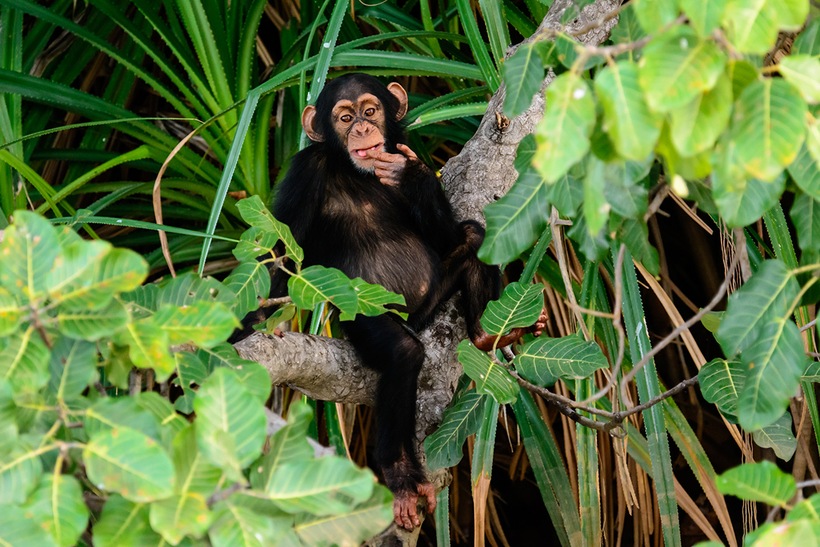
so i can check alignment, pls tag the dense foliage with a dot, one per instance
(126, 417)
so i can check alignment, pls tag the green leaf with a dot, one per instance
(235, 525)
(227, 411)
(188, 288)
(118, 271)
(775, 534)
(545, 360)
(634, 130)
(806, 509)
(805, 214)
(751, 26)
(253, 243)
(325, 486)
(121, 412)
(350, 528)
(768, 295)
(696, 126)
(791, 14)
(73, 366)
(774, 364)
(805, 170)
(29, 249)
(704, 15)
(195, 475)
(18, 530)
(803, 72)
(24, 361)
(318, 284)
(523, 74)
(490, 377)
(253, 376)
(58, 507)
(202, 323)
(564, 131)
(124, 524)
(77, 261)
(779, 437)
(147, 347)
(678, 66)
(594, 206)
(654, 14)
(761, 481)
(20, 470)
(374, 299)
(250, 282)
(768, 127)
(255, 213)
(130, 463)
(444, 448)
(628, 29)
(721, 382)
(808, 42)
(518, 218)
(520, 305)
(92, 324)
(11, 313)
(179, 516)
(289, 444)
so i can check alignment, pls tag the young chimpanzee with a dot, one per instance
(359, 200)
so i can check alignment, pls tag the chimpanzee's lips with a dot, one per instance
(362, 152)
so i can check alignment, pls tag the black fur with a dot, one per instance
(403, 237)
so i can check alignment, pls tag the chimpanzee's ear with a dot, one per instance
(398, 92)
(308, 121)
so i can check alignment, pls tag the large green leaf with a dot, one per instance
(803, 71)
(78, 260)
(235, 525)
(24, 361)
(253, 243)
(490, 377)
(768, 126)
(805, 170)
(125, 461)
(721, 382)
(805, 214)
(696, 126)
(704, 15)
(73, 366)
(188, 288)
(519, 217)
(124, 523)
(774, 364)
(654, 15)
(195, 475)
(289, 444)
(251, 374)
(92, 324)
(634, 130)
(751, 26)
(250, 282)
(520, 305)
(761, 481)
(678, 66)
(226, 411)
(58, 506)
(523, 74)
(374, 299)
(769, 294)
(563, 133)
(444, 448)
(121, 412)
(318, 284)
(20, 469)
(325, 486)
(779, 437)
(545, 360)
(349, 528)
(11, 313)
(18, 530)
(255, 213)
(118, 271)
(180, 515)
(29, 249)
(202, 323)
(147, 347)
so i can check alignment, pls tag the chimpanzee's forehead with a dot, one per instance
(352, 86)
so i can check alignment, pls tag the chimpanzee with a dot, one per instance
(358, 199)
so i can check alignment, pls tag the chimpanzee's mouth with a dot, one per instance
(362, 152)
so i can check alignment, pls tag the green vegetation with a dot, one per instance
(127, 418)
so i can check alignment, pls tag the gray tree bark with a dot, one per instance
(329, 369)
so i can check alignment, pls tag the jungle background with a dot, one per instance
(635, 165)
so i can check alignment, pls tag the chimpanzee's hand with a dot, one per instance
(390, 167)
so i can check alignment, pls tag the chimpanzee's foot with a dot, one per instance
(405, 505)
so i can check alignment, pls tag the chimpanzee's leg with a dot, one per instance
(387, 345)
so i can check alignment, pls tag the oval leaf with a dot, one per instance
(318, 284)
(545, 360)
(519, 306)
(490, 377)
(761, 481)
(721, 382)
(255, 213)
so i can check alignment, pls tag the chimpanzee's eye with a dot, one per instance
(369, 112)
(346, 118)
